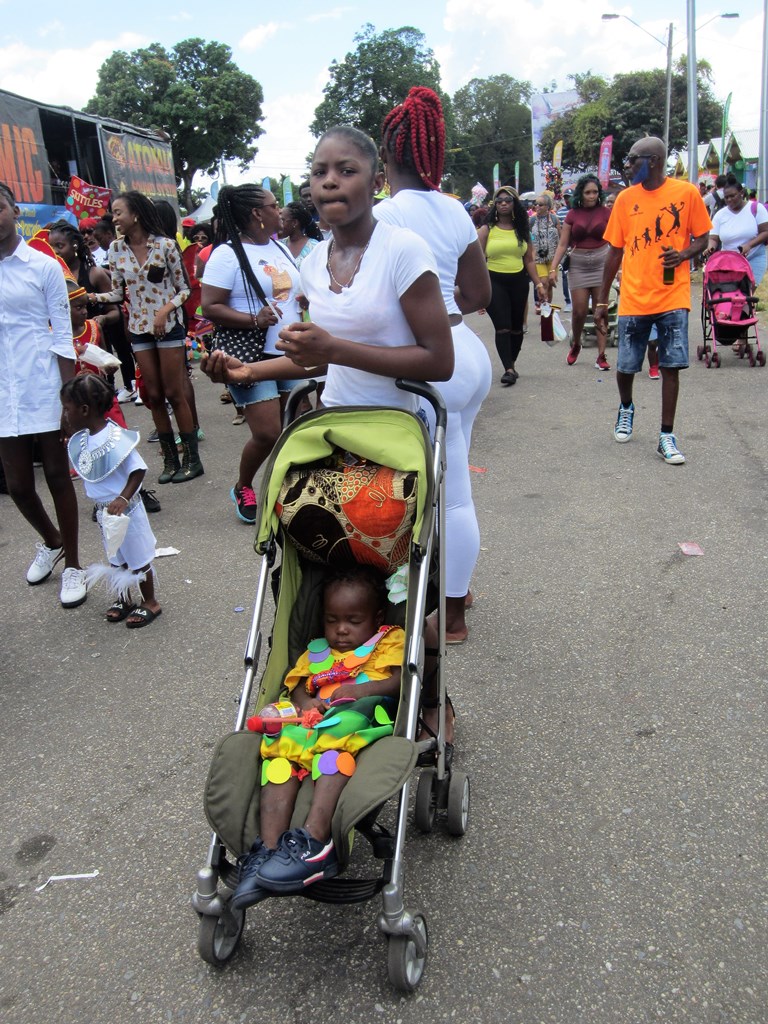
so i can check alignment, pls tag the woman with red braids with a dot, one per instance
(413, 141)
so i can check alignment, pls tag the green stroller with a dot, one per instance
(305, 461)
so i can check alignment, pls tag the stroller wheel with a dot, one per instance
(425, 804)
(457, 810)
(716, 359)
(405, 964)
(761, 357)
(699, 352)
(219, 937)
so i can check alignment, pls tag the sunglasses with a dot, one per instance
(639, 156)
(87, 231)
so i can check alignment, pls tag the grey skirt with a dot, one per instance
(586, 267)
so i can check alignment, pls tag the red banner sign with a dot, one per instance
(604, 163)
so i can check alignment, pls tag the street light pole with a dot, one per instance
(762, 164)
(668, 105)
(693, 97)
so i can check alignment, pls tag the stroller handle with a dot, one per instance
(416, 387)
(432, 395)
(303, 389)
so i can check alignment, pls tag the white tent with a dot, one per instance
(203, 213)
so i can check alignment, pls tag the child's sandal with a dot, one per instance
(118, 611)
(139, 617)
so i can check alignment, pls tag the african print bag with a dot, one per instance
(346, 510)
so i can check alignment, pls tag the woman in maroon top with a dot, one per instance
(583, 232)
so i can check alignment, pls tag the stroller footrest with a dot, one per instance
(344, 890)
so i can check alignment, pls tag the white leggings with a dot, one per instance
(463, 395)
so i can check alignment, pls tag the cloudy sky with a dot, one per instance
(54, 58)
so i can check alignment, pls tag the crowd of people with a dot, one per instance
(346, 289)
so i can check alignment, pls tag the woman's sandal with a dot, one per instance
(144, 616)
(428, 758)
(118, 611)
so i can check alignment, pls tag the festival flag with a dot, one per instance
(496, 179)
(726, 111)
(557, 154)
(604, 161)
(84, 200)
(517, 175)
(287, 191)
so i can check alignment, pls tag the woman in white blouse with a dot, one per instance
(36, 357)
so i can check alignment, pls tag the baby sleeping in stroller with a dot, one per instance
(345, 689)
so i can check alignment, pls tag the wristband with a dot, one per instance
(126, 500)
(598, 304)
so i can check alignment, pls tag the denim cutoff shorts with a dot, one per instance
(634, 332)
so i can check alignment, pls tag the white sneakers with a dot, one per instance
(73, 587)
(42, 567)
(124, 395)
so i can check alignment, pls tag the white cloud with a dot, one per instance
(333, 14)
(65, 77)
(256, 37)
(50, 28)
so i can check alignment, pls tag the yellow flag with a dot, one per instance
(557, 155)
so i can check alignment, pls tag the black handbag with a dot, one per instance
(244, 343)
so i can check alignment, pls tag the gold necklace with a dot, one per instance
(338, 284)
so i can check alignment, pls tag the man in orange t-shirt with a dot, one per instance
(657, 226)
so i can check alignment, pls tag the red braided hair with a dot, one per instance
(414, 132)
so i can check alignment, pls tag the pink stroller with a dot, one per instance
(728, 309)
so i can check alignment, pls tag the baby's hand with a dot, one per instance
(346, 692)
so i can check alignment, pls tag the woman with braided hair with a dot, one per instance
(301, 233)
(413, 141)
(252, 281)
(147, 273)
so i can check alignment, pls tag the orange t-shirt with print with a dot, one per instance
(645, 222)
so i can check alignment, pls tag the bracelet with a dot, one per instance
(601, 304)
(126, 500)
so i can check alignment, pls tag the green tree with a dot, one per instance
(629, 107)
(195, 93)
(197, 197)
(492, 123)
(374, 77)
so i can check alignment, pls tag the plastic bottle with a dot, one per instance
(668, 273)
(270, 719)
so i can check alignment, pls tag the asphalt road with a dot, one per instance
(612, 709)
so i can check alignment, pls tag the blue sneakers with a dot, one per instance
(248, 890)
(669, 451)
(298, 861)
(623, 429)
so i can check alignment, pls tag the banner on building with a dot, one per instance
(23, 159)
(557, 154)
(545, 108)
(137, 162)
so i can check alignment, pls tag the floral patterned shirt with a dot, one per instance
(146, 289)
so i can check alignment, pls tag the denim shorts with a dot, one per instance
(175, 338)
(261, 391)
(634, 332)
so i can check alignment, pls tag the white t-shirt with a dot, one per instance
(369, 312)
(276, 273)
(735, 229)
(442, 222)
